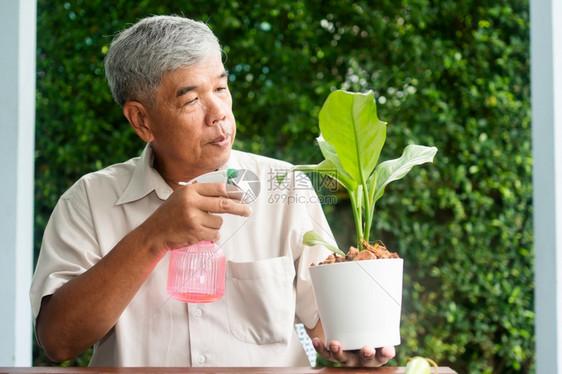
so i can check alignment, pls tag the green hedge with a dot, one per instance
(454, 74)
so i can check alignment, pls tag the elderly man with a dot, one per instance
(101, 276)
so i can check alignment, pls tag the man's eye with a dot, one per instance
(190, 102)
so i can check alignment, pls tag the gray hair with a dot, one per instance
(140, 55)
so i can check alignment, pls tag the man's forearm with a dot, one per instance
(83, 310)
(316, 332)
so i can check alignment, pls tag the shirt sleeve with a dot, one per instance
(69, 246)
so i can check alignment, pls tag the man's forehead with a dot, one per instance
(190, 78)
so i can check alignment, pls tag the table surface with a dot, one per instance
(210, 370)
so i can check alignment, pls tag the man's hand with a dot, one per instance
(190, 215)
(366, 357)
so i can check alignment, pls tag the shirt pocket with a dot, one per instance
(260, 300)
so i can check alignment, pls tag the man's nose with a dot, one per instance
(216, 112)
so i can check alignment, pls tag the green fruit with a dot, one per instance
(418, 365)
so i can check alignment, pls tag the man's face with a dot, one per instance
(192, 123)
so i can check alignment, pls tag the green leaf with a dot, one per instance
(328, 168)
(312, 238)
(392, 170)
(329, 153)
(349, 122)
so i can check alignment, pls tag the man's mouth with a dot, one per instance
(221, 141)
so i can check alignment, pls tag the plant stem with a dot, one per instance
(362, 191)
(372, 183)
(368, 213)
(357, 214)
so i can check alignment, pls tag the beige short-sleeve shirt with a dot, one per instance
(267, 290)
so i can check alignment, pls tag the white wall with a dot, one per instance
(17, 128)
(546, 93)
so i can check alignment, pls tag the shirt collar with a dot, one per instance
(146, 179)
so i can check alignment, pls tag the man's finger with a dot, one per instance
(234, 192)
(368, 357)
(220, 189)
(386, 353)
(226, 205)
(216, 199)
(346, 358)
(321, 349)
(211, 189)
(211, 221)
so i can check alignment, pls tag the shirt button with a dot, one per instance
(200, 359)
(197, 313)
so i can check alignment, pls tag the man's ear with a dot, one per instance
(137, 116)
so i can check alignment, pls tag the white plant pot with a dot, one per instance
(360, 302)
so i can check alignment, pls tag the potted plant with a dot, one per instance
(359, 301)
